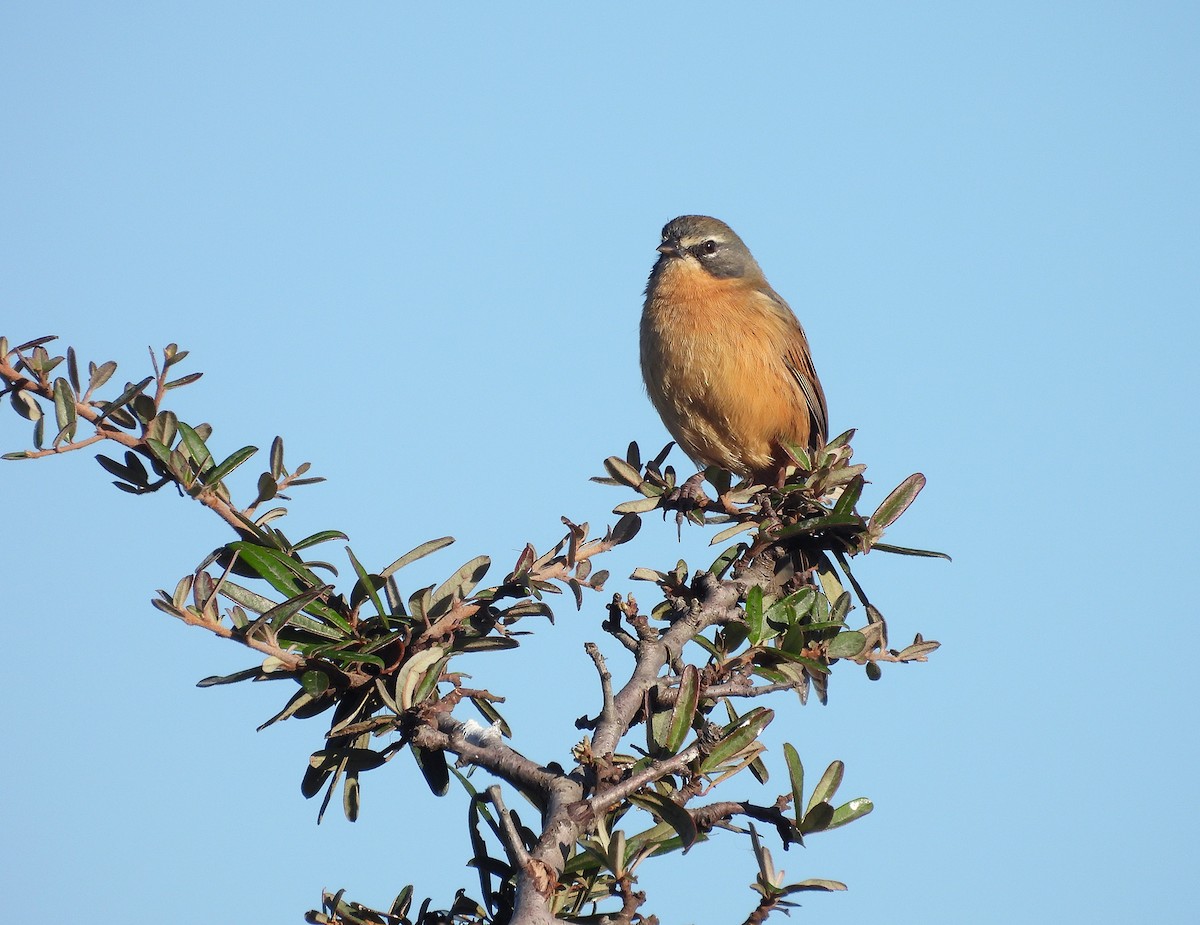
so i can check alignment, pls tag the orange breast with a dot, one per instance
(714, 360)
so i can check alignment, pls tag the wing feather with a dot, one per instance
(798, 358)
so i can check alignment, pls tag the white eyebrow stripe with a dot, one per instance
(693, 240)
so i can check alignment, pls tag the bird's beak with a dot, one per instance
(670, 247)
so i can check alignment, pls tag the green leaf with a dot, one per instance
(721, 564)
(849, 496)
(817, 819)
(487, 644)
(25, 405)
(434, 769)
(100, 374)
(625, 529)
(194, 446)
(755, 625)
(685, 710)
(370, 586)
(828, 784)
(411, 679)
(738, 734)
(287, 576)
(281, 614)
(216, 474)
(244, 675)
(849, 644)
(668, 811)
(123, 399)
(267, 488)
(638, 505)
(277, 471)
(323, 536)
(841, 607)
(64, 409)
(164, 428)
(419, 552)
(796, 776)
(315, 682)
(732, 531)
(461, 583)
(896, 503)
(620, 470)
(182, 380)
(906, 551)
(848, 812)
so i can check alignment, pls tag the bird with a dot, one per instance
(725, 360)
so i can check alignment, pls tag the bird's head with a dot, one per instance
(708, 244)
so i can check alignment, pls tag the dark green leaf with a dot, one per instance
(625, 529)
(905, 551)
(194, 446)
(755, 625)
(369, 586)
(668, 811)
(72, 369)
(281, 614)
(729, 556)
(182, 380)
(817, 819)
(796, 777)
(287, 576)
(244, 675)
(685, 709)
(217, 473)
(109, 408)
(434, 769)
(322, 537)
(738, 735)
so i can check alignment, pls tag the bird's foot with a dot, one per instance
(687, 498)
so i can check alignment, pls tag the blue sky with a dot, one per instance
(413, 242)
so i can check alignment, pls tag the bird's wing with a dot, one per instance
(799, 362)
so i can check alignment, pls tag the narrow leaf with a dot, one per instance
(685, 709)
(217, 473)
(897, 502)
(419, 552)
(796, 776)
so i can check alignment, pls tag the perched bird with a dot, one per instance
(725, 361)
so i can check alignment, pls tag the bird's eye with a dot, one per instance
(708, 247)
